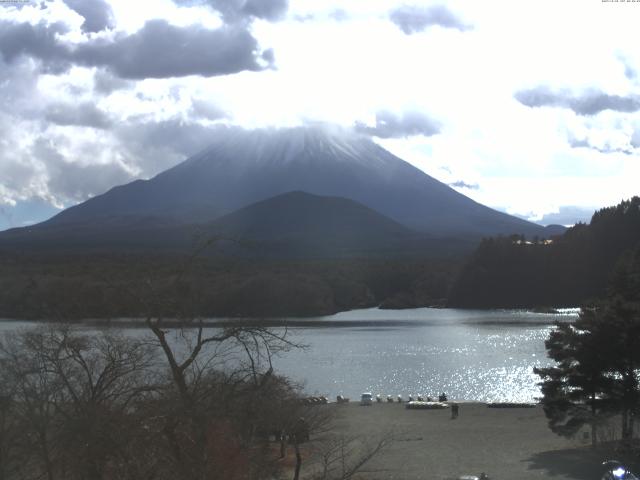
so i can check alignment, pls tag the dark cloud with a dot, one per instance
(462, 184)
(39, 41)
(266, 9)
(269, 57)
(107, 83)
(161, 50)
(97, 14)
(589, 103)
(244, 10)
(412, 19)
(390, 125)
(84, 114)
(158, 50)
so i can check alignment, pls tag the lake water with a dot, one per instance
(468, 354)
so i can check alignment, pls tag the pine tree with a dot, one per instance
(597, 371)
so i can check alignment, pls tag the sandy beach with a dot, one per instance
(510, 443)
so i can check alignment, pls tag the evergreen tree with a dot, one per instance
(575, 389)
(597, 369)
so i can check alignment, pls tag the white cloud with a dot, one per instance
(347, 70)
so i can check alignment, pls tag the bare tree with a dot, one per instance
(340, 457)
(72, 395)
(220, 379)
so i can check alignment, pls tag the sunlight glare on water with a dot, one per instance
(470, 355)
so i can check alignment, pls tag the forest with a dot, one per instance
(503, 272)
(73, 287)
(515, 272)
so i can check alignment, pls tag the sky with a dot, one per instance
(531, 107)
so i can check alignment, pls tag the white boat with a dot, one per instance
(426, 405)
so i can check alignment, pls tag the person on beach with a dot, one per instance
(454, 411)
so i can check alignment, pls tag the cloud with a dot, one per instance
(390, 125)
(589, 103)
(161, 50)
(153, 146)
(339, 15)
(265, 9)
(462, 184)
(66, 165)
(206, 110)
(107, 83)
(66, 169)
(19, 176)
(84, 114)
(607, 148)
(74, 181)
(244, 10)
(38, 41)
(97, 14)
(565, 215)
(412, 19)
(604, 140)
(568, 216)
(635, 138)
(157, 50)
(629, 70)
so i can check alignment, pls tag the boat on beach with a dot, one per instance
(416, 405)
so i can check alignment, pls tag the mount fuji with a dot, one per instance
(243, 167)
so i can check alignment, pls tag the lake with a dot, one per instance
(468, 354)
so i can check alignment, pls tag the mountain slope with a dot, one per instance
(299, 224)
(291, 225)
(243, 167)
(300, 214)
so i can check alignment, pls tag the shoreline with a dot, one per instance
(329, 320)
(504, 443)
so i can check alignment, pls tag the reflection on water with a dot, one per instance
(470, 355)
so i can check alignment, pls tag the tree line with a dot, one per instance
(88, 286)
(514, 272)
